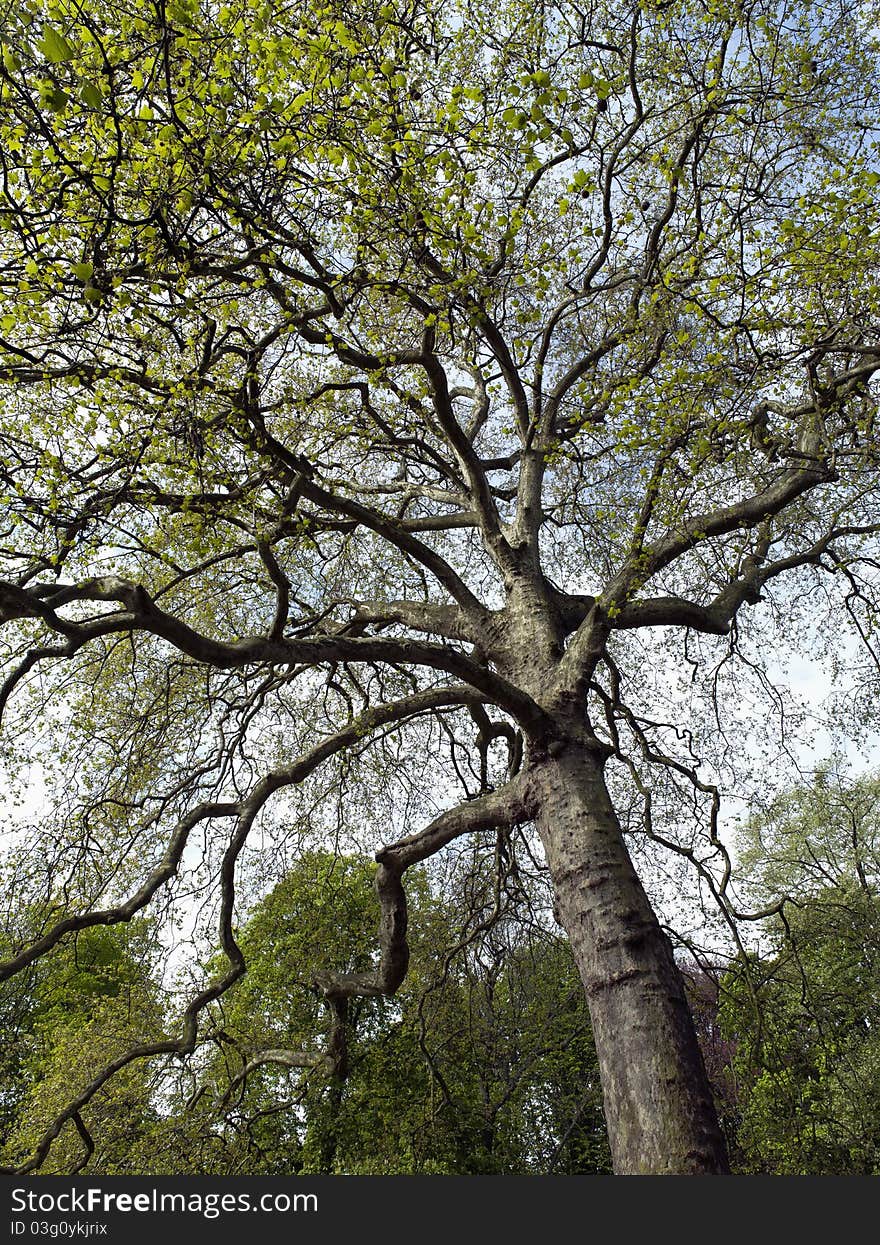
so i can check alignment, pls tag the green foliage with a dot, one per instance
(326, 326)
(482, 1063)
(805, 1016)
(61, 1023)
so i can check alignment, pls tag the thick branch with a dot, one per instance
(588, 644)
(143, 614)
(506, 806)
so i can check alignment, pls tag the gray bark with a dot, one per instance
(658, 1103)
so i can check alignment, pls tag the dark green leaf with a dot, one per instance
(91, 95)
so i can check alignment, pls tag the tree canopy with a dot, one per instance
(483, 1063)
(412, 415)
(60, 1024)
(804, 1011)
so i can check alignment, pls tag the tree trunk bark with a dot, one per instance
(658, 1105)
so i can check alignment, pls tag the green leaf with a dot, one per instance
(82, 271)
(58, 100)
(55, 47)
(91, 95)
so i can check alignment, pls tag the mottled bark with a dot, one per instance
(658, 1104)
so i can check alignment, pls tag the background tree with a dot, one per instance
(69, 1016)
(379, 379)
(805, 1013)
(483, 1063)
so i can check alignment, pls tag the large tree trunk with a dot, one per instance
(658, 1104)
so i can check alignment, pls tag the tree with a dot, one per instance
(378, 379)
(484, 1062)
(77, 1009)
(805, 1012)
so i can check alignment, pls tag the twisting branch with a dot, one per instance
(505, 807)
